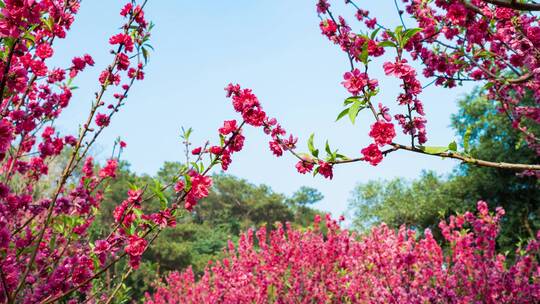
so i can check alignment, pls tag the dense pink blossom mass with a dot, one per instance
(47, 255)
(44, 248)
(385, 266)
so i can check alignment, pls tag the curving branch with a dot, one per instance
(517, 5)
(472, 7)
(471, 160)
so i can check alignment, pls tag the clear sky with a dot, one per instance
(275, 48)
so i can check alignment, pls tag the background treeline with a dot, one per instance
(421, 203)
(233, 206)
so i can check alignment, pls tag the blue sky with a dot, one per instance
(275, 48)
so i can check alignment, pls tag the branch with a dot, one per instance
(471, 160)
(75, 288)
(124, 277)
(472, 7)
(463, 158)
(68, 170)
(7, 67)
(521, 6)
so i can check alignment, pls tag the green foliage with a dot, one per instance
(233, 206)
(398, 202)
(423, 202)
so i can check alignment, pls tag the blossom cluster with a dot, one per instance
(493, 43)
(384, 266)
(248, 105)
(45, 254)
(483, 41)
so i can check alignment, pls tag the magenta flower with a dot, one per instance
(382, 132)
(355, 81)
(372, 154)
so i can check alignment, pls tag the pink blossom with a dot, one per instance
(229, 126)
(382, 132)
(275, 147)
(200, 187)
(304, 167)
(372, 154)
(135, 248)
(109, 171)
(322, 6)
(126, 9)
(385, 265)
(325, 169)
(44, 51)
(355, 81)
(124, 40)
(179, 186)
(328, 28)
(102, 120)
(6, 135)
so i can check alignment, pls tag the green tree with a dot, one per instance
(232, 206)
(422, 202)
(301, 202)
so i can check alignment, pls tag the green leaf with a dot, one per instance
(49, 23)
(452, 146)
(483, 54)
(353, 112)
(399, 30)
(156, 189)
(351, 99)
(138, 212)
(387, 43)
(364, 55)
(145, 54)
(69, 82)
(488, 85)
(466, 139)
(391, 34)
(30, 38)
(327, 148)
(519, 144)
(310, 143)
(132, 229)
(409, 34)
(195, 166)
(374, 33)
(342, 114)
(187, 179)
(221, 140)
(341, 156)
(434, 149)
(355, 109)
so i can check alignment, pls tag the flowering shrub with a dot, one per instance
(45, 251)
(492, 43)
(46, 254)
(385, 266)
